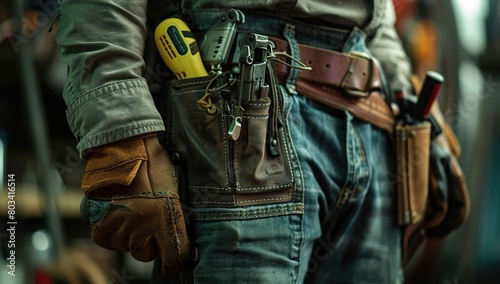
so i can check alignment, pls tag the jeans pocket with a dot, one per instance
(225, 171)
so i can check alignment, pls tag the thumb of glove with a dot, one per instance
(93, 210)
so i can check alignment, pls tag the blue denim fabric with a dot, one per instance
(328, 38)
(340, 228)
(346, 166)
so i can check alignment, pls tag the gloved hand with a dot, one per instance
(132, 203)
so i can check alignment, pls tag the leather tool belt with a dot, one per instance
(343, 81)
(201, 113)
(433, 198)
(355, 72)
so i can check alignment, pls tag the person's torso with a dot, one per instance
(347, 13)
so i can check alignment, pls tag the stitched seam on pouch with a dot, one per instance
(242, 189)
(184, 84)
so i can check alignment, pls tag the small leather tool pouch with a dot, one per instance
(432, 191)
(413, 145)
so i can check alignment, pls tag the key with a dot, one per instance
(235, 128)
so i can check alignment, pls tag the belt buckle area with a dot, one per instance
(358, 93)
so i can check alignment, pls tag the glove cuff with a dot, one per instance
(134, 167)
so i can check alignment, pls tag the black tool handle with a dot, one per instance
(428, 94)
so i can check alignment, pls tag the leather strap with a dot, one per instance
(372, 108)
(356, 73)
(343, 81)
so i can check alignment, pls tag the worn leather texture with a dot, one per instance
(373, 108)
(412, 162)
(221, 172)
(349, 71)
(412, 146)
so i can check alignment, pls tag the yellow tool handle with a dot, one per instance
(179, 50)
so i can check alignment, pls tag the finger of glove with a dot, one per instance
(110, 236)
(143, 247)
(95, 211)
(172, 239)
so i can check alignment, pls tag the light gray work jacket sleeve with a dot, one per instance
(386, 46)
(102, 42)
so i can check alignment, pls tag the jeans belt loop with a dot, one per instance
(289, 35)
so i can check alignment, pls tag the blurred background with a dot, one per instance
(460, 39)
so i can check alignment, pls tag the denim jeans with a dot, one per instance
(341, 226)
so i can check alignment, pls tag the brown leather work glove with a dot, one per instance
(131, 201)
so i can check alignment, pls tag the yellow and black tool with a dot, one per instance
(178, 48)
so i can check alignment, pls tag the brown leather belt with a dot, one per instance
(372, 108)
(343, 81)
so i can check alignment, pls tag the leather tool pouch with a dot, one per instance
(229, 159)
(412, 145)
(432, 192)
(412, 148)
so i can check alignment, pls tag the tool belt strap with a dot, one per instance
(354, 72)
(372, 108)
(343, 81)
